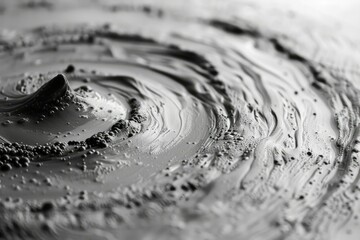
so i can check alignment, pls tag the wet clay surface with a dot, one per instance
(182, 120)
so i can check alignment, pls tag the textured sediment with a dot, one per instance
(196, 125)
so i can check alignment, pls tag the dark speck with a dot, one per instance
(70, 69)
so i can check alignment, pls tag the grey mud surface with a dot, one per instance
(179, 120)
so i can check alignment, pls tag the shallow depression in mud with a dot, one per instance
(119, 92)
